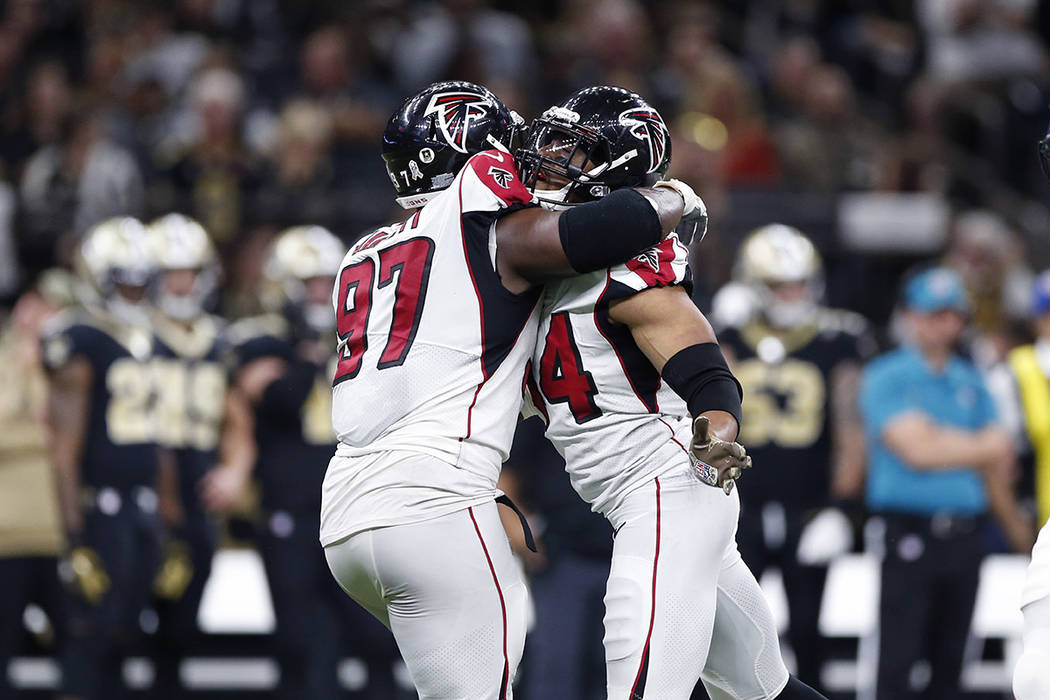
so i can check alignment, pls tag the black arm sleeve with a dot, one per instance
(610, 231)
(700, 375)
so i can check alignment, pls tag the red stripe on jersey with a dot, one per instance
(655, 408)
(496, 171)
(505, 683)
(673, 438)
(638, 689)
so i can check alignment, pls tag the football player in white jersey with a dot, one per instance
(436, 320)
(1031, 677)
(624, 359)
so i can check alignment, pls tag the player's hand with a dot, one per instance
(85, 574)
(176, 571)
(221, 487)
(694, 210)
(716, 462)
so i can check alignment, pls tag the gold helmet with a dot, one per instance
(178, 242)
(113, 256)
(298, 254)
(776, 255)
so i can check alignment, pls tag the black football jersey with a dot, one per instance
(119, 448)
(786, 424)
(189, 367)
(293, 422)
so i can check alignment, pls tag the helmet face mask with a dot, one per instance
(302, 259)
(181, 247)
(600, 139)
(783, 268)
(116, 268)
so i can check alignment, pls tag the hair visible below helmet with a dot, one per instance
(777, 254)
(299, 254)
(178, 242)
(115, 253)
(623, 139)
(431, 136)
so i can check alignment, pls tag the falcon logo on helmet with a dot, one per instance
(454, 113)
(647, 125)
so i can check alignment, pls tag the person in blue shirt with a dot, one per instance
(937, 461)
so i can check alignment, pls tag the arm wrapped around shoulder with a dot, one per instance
(700, 375)
(610, 231)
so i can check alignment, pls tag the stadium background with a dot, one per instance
(894, 132)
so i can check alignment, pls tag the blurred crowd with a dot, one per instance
(894, 134)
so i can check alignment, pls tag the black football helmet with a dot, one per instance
(624, 139)
(433, 134)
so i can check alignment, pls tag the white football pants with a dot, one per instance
(452, 594)
(681, 605)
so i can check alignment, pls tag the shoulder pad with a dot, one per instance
(496, 172)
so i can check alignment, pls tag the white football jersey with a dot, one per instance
(607, 410)
(432, 355)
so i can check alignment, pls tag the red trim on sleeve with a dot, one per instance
(496, 171)
(654, 265)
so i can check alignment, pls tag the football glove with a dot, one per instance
(716, 462)
(85, 574)
(693, 226)
(175, 573)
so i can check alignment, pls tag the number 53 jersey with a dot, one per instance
(606, 409)
(432, 353)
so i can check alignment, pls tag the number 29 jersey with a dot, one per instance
(432, 353)
(607, 411)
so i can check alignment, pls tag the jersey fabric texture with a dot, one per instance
(432, 351)
(786, 422)
(588, 377)
(119, 449)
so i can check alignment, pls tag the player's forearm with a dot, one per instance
(68, 410)
(535, 245)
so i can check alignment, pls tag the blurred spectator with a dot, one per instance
(30, 531)
(831, 147)
(971, 40)
(1021, 386)
(721, 102)
(937, 462)
(299, 185)
(41, 118)
(358, 105)
(70, 185)
(986, 254)
(208, 172)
